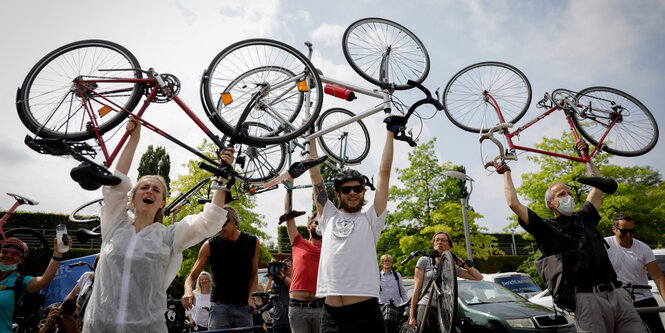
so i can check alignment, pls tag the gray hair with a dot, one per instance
(232, 214)
(549, 195)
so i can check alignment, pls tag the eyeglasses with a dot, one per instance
(355, 188)
(315, 223)
(625, 231)
(12, 252)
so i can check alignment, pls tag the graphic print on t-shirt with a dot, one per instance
(344, 227)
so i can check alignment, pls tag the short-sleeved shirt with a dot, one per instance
(7, 299)
(306, 257)
(630, 264)
(348, 264)
(586, 260)
(392, 288)
(425, 263)
(280, 311)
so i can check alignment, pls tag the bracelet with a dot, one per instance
(56, 258)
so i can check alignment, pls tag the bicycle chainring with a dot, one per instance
(173, 86)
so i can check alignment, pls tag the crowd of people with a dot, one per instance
(333, 282)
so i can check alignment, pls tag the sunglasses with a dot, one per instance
(355, 188)
(625, 231)
(12, 252)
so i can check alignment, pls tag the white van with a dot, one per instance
(520, 283)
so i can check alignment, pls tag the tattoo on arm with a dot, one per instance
(321, 194)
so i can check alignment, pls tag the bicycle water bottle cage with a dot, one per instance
(92, 177)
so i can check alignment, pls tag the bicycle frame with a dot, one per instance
(155, 84)
(503, 128)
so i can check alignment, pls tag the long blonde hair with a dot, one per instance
(159, 216)
(198, 281)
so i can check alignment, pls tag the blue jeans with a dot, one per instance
(227, 316)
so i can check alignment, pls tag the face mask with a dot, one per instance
(8, 268)
(566, 205)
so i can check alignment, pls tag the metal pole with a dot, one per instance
(513, 247)
(467, 233)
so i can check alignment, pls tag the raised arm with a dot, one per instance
(40, 282)
(595, 196)
(125, 159)
(219, 196)
(383, 181)
(291, 228)
(511, 198)
(188, 297)
(318, 185)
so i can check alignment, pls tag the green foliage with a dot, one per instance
(283, 243)
(156, 162)
(39, 220)
(528, 267)
(428, 201)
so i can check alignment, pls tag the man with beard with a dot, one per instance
(348, 272)
(304, 307)
(234, 261)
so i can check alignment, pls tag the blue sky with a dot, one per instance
(557, 44)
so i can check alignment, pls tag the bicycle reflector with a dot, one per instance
(226, 98)
(104, 110)
(302, 85)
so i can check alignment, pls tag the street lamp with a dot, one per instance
(465, 202)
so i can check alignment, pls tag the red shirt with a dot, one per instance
(305, 264)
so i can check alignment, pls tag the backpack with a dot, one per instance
(26, 311)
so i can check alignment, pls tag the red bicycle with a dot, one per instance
(489, 97)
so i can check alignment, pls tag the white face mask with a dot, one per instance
(8, 268)
(566, 205)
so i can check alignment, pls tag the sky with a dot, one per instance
(556, 44)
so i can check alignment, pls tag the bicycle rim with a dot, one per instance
(39, 253)
(273, 81)
(258, 164)
(467, 106)
(635, 131)
(52, 104)
(348, 144)
(447, 299)
(367, 42)
(88, 212)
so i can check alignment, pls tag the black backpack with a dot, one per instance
(26, 311)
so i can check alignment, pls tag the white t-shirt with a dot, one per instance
(348, 265)
(84, 283)
(630, 264)
(201, 310)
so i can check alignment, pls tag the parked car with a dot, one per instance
(484, 306)
(660, 259)
(519, 283)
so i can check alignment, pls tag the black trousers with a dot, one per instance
(363, 317)
(651, 319)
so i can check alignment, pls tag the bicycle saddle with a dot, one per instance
(607, 185)
(92, 177)
(290, 215)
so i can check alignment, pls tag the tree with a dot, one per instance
(245, 204)
(156, 162)
(428, 202)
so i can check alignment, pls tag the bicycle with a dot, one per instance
(442, 289)
(254, 89)
(490, 97)
(631, 288)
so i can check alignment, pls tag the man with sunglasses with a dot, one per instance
(234, 261)
(632, 259)
(600, 304)
(348, 271)
(13, 253)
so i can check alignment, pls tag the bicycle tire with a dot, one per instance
(39, 252)
(260, 75)
(355, 133)
(88, 212)
(466, 105)
(185, 196)
(405, 328)
(634, 134)
(50, 104)
(447, 301)
(261, 164)
(365, 41)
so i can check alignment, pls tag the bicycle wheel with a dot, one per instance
(39, 253)
(467, 105)
(53, 103)
(635, 131)
(258, 164)
(88, 212)
(262, 81)
(371, 44)
(446, 306)
(348, 144)
(405, 328)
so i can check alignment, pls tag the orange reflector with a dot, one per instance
(226, 98)
(302, 85)
(104, 110)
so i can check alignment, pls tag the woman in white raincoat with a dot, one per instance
(140, 256)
